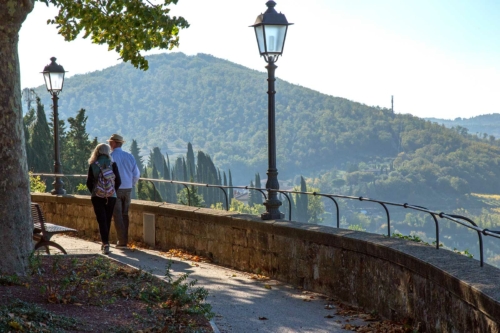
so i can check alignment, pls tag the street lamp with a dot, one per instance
(53, 75)
(270, 31)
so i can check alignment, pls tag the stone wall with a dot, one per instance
(438, 289)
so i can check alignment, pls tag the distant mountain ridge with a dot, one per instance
(488, 124)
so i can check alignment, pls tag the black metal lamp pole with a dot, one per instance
(54, 80)
(270, 31)
(58, 183)
(272, 203)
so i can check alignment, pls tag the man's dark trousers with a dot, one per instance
(120, 215)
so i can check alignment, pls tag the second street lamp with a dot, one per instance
(53, 75)
(270, 31)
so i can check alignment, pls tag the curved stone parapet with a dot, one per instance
(438, 290)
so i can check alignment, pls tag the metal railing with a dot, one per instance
(458, 219)
(462, 220)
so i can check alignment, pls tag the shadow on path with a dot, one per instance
(241, 304)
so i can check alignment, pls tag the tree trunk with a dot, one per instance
(16, 226)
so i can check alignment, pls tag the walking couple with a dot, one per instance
(111, 176)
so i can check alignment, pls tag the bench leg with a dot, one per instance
(47, 244)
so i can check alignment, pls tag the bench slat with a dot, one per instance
(43, 231)
(55, 229)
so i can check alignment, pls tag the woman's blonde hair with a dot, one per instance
(100, 149)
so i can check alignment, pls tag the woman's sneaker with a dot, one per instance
(105, 249)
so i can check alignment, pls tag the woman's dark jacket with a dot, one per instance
(94, 171)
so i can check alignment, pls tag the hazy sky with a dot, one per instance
(438, 58)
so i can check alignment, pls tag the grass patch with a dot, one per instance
(96, 294)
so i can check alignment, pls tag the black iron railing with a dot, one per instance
(458, 219)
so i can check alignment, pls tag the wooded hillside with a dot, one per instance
(221, 108)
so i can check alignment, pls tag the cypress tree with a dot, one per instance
(78, 144)
(212, 179)
(156, 175)
(168, 188)
(178, 174)
(207, 174)
(157, 160)
(184, 170)
(251, 195)
(166, 169)
(201, 173)
(41, 141)
(258, 196)
(136, 152)
(302, 203)
(179, 169)
(77, 149)
(150, 160)
(190, 161)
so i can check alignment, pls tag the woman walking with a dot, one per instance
(103, 180)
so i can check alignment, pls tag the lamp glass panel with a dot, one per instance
(259, 33)
(57, 80)
(275, 38)
(46, 77)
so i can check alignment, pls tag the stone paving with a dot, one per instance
(241, 302)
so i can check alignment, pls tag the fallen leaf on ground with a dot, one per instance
(183, 255)
(349, 327)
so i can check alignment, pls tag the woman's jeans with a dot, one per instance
(103, 209)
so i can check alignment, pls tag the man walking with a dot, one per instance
(129, 173)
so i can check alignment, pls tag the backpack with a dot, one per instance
(105, 185)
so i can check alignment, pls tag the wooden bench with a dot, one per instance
(43, 231)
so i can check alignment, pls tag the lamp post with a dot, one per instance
(53, 75)
(270, 31)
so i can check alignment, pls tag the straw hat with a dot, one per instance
(116, 138)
